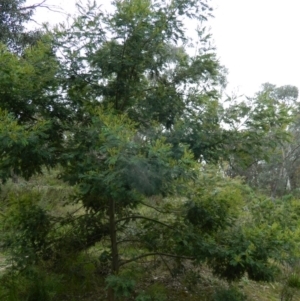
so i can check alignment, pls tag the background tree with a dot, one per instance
(269, 122)
(14, 15)
(32, 112)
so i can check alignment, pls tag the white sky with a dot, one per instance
(257, 40)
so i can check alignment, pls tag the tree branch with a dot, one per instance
(143, 217)
(52, 8)
(127, 240)
(147, 243)
(154, 254)
(34, 6)
(156, 209)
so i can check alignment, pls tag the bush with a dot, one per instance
(229, 294)
(123, 287)
(31, 284)
(25, 229)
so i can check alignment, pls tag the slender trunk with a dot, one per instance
(14, 177)
(283, 177)
(114, 246)
(285, 173)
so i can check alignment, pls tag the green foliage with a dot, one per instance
(268, 120)
(25, 229)
(260, 120)
(26, 81)
(154, 292)
(290, 279)
(123, 287)
(215, 201)
(31, 130)
(293, 281)
(32, 284)
(245, 254)
(139, 66)
(125, 114)
(230, 294)
(13, 16)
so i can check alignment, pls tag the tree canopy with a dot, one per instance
(13, 18)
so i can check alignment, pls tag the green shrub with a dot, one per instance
(229, 294)
(31, 284)
(25, 229)
(293, 281)
(122, 286)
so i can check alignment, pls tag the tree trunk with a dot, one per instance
(114, 246)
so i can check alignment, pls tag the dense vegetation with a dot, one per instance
(127, 175)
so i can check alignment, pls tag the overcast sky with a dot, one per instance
(257, 40)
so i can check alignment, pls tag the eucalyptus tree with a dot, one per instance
(268, 121)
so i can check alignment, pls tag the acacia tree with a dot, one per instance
(159, 111)
(133, 62)
(122, 89)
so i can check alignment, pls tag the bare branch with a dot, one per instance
(34, 6)
(42, 4)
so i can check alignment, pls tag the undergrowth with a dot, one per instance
(55, 264)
